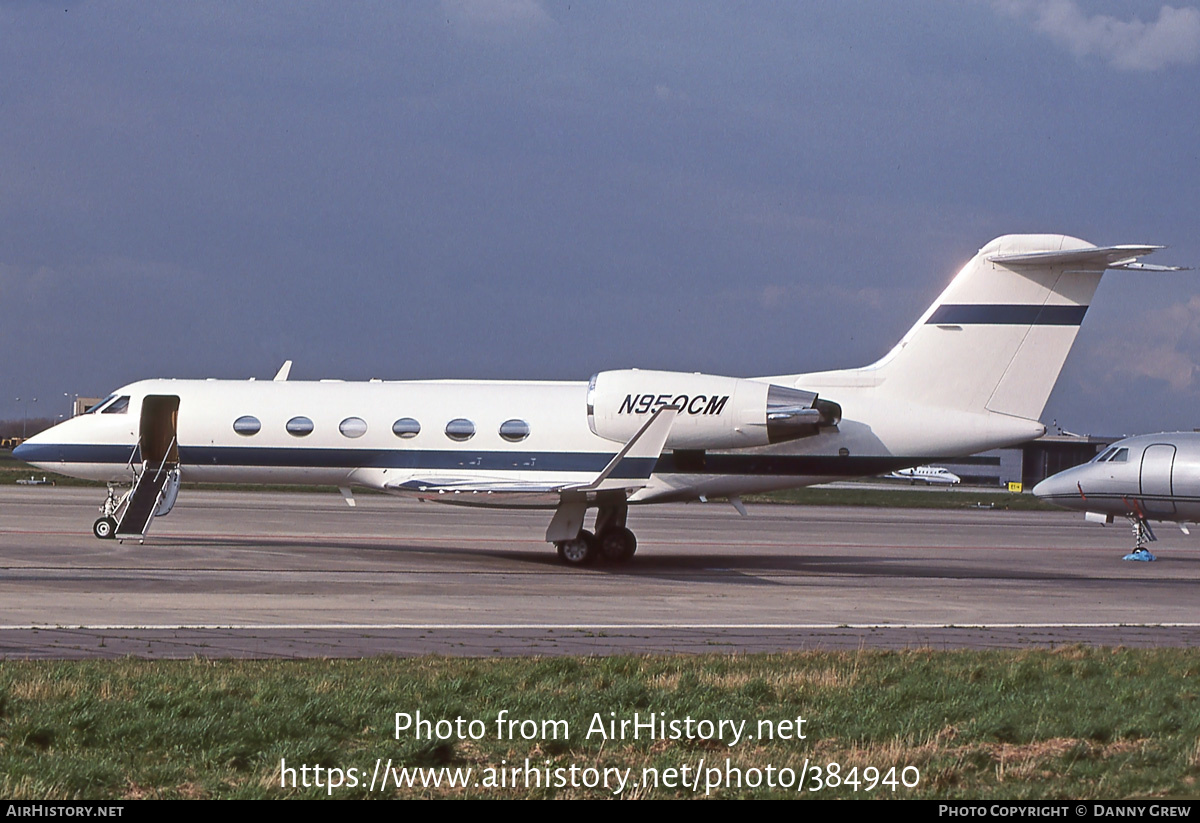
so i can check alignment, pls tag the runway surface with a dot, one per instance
(297, 575)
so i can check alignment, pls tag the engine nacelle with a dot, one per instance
(714, 412)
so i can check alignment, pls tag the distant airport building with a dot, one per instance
(1030, 463)
(1052, 453)
(82, 404)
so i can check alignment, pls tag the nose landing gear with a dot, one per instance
(1142, 534)
(105, 528)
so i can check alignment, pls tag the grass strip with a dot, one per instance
(1072, 722)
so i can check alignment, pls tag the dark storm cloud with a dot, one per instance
(522, 189)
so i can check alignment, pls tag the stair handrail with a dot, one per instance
(166, 454)
(129, 462)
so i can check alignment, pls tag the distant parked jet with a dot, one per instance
(929, 475)
(1143, 478)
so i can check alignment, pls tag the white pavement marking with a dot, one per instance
(584, 626)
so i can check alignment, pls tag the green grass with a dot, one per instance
(1069, 723)
(12, 470)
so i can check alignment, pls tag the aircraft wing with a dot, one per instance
(476, 491)
(636, 459)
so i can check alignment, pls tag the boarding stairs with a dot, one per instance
(147, 496)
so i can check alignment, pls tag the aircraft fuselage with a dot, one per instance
(377, 434)
(1152, 475)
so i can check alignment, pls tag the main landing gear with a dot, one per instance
(612, 542)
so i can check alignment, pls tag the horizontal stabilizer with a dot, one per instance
(1094, 257)
(996, 339)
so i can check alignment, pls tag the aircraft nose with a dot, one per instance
(1056, 485)
(23, 451)
(32, 446)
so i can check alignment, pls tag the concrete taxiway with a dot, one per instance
(231, 574)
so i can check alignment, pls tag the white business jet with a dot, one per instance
(929, 475)
(974, 373)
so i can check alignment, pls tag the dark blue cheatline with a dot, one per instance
(592, 462)
(961, 314)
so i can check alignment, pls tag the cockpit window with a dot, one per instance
(1120, 457)
(118, 406)
(96, 408)
(1104, 455)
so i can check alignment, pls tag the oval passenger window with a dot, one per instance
(299, 426)
(514, 431)
(247, 425)
(406, 427)
(460, 429)
(353, 427)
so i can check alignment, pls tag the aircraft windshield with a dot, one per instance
(118, 406)
(96, 408)
(1104, 455)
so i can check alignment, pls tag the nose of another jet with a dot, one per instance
(1060, 486)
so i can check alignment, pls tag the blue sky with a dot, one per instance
(544, 190)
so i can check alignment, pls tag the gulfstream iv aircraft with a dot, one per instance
(974, 373)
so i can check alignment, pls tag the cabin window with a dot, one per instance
(247, 425)
(353, 427)
(118, 406)
(460, 429)
(406, 427)
(299, 427)
(514, 431)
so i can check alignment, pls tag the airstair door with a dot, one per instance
(159, 447)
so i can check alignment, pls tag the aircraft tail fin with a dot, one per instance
(997, 337)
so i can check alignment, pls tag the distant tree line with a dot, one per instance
(31, 426)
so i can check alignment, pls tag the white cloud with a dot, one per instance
(1172, 39)
(1162, 344)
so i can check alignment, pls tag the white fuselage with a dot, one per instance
(1153, 476)
(560, 446)
(930, 475)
